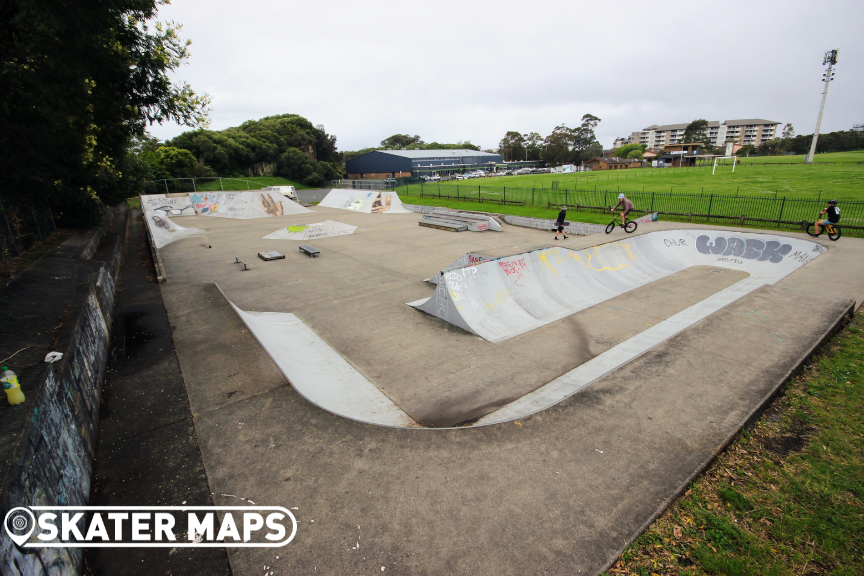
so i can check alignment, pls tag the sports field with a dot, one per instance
(791, 193)
(843, 180)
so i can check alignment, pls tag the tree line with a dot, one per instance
(287, 145)
(564, 145)
(80, 82)
(832, 142)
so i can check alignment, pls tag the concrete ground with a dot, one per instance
(560, 492)
(147, 453)
(312, 195)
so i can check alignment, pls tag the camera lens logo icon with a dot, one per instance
(19, 524)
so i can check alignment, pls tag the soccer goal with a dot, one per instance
(734, 160)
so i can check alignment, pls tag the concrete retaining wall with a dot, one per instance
(580, 228)
(49, 440)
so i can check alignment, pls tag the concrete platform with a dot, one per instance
(562, 491)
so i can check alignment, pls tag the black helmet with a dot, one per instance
(832, 201)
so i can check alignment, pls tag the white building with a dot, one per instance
(753, 131)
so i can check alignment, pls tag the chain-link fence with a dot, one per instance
(20, 229)
(717, 208)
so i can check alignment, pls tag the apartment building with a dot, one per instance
(753, 131)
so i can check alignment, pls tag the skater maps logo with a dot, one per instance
(150, 526)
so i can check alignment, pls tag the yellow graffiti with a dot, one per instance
(605, 258)
(545, 260)
(500, 298)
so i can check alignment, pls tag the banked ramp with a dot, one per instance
(366, 201)
(241, 205)
(503, 298)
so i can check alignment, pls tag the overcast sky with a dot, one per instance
(472, 70)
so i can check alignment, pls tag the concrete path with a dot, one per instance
(147, 453)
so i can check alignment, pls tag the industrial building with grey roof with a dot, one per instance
(403, 163)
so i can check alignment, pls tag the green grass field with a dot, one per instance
(844, 180)
(852, 157)
(782, 192)
(786, 497)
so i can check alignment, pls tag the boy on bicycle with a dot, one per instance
(833, 216)
(626, 206)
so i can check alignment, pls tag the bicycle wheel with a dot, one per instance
(836, 234)
(810, 230)
(610, 227)
(630, 226)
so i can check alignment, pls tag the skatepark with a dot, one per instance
(532, 411)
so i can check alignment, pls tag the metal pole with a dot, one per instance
(166, 186)
(220, 184)
(831, 60)
(194, 189)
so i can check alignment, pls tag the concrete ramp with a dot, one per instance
(244, 205)
(367, 201)
(318, 372)
(164, 231)
(469, 259)
(167, 206)
(503, 298)
(311, 231)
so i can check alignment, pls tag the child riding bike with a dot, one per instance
(832, 211)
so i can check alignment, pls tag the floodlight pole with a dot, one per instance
(831, 61)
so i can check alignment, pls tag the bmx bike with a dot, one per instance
(629, 227)
(833, 231)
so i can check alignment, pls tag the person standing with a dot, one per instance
(559, 224)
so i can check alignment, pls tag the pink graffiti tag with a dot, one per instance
(473, 259)
(514, 268)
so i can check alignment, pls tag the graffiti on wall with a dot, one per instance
(748, 249)
(514, 269)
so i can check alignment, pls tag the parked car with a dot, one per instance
(287, 191)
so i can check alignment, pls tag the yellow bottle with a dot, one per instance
(10, 385)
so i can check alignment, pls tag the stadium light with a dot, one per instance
(829, 60)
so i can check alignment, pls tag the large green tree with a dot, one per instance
(584, 136)
(512, 146)
(401, 141)
(261, 148)
(697, 132)
(78, 81)
(558, 146)
(534, 146)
